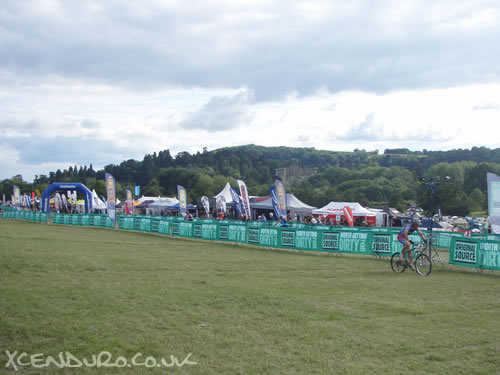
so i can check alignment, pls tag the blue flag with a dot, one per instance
(274, 199)
(237, 201)
(137, 190)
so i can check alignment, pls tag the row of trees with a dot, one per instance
(373, 179)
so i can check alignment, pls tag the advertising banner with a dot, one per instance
(111, 195)
(182, 197)
(493, 182)
(16, 193)
(237, 202)
(348, 215)
(281, 199)
(245, 199)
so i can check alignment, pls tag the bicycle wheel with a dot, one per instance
(423, 264)
(395, 265)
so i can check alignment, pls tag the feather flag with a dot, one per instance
(111, 195)
(16, 192)
(182, 197)
(245, 199)
(237, 201)
(220, 203)
(206, 204)
(274, 200)
(281, 199)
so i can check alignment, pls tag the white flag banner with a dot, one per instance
(245, 198)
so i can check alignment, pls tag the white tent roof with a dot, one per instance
(337, 208)
(226, 193)
(143, 198)
(97, 203)
(293, 204)
(164, 202)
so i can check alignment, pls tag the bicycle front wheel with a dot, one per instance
(423, 264)
(396, 265)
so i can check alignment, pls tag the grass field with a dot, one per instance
(237, 309)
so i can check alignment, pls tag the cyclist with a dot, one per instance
(403, 238)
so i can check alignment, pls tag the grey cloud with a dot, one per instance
(89, 124)
(68, 149)
(367, 130)
(274, 51)
(15, 124)
(371, 131)
(220, 113)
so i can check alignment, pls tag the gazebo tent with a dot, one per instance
(294, 205)
(98, 204)
(226, 193)
(335, 210)
(164, 203)
(161, 205)
(396, 218)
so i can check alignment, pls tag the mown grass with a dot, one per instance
(238, 309)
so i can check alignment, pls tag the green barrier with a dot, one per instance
(128, 222)
(493, 237)
(145, 224)
(164, 226)
(475, 253)
(76, 220)
(206, 231)
(86, 220)
(233, 231)
(478, 252)
(97, 220)
(185, 229)
(297, 238)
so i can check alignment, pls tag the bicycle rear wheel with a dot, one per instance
(395, 265)
(423, 264)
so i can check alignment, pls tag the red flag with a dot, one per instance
(348, 215)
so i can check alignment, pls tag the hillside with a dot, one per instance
(315, 176)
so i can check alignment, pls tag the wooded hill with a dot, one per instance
(371, 178)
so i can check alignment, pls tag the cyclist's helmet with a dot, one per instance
(415, 222)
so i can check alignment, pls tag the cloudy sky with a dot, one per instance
(100, 82)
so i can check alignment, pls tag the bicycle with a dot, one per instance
(418, 258)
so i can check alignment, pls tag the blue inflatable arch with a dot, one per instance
(65, 186)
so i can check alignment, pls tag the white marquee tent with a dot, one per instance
(293, 204)
(226, 193)
(336, 209)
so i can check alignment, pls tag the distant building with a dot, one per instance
(294, 171)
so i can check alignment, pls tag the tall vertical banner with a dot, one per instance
(129, 203)
(137, 190)
(111, 195)
(16, 192)
(3, 196)
(245, 198)
(237, 201)
(206, 204)
(348, 215)
(220, 203)
(281, 196)
(493, 181)
(182, 197)
(274, 200)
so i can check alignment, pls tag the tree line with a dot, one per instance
(371, 178)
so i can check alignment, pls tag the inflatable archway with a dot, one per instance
(66, 186)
